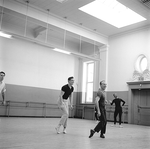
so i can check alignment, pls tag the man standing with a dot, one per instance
(118, 109)
(64, 98)
(100, 104)
(2, 87)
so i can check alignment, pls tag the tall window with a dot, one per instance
(88, 81)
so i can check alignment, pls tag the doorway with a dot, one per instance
(141, 106)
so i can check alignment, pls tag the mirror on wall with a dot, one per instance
(141, 69)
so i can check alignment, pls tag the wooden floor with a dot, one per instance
(39, 133)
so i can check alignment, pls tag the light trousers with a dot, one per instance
(65, 113)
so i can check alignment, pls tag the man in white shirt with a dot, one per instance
(2, 87)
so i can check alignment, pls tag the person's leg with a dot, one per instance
(61, 107)
(120, 116)
(104, 123)
(64, 117)
(96, 129)
(115, 116)
(100, 125)
(65, 122)
(103, 130)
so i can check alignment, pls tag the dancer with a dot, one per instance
(118, 109)
(65, 95)
(101, 126)
(2, 87)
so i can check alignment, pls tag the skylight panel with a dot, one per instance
(112, 12)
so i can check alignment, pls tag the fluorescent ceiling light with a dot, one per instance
(62, 51)
(61, 1)
(112, 12)
(5, 35)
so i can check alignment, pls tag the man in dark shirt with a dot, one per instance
(64, 99)
(118, 109)
(100, 105)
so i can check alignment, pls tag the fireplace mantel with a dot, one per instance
(139, 84)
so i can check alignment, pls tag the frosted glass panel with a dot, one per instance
(55, 36)
(36, 29)
(13, 22)
(72, 42)
(89, 97)
(90, 72)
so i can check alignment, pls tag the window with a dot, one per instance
(88, 82)
(141, 72)
(141, 63)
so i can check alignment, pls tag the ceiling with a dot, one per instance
(69, 10)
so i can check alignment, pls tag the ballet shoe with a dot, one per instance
(57, 130)
(91, 133)
(102, 136)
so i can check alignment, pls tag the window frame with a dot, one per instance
(86, 101)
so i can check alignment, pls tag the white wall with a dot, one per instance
(29, 64)
(123, 51)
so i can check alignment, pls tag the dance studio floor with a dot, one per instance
(39, 133)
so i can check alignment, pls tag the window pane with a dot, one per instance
(90, 72)
(55, 36)
(87, 86)
(89, 97)
(13, 22)
(72, 42)
(87, 46)
(143, 64)
(36, 29)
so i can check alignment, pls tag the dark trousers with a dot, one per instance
(101, 126)
(118, 111)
